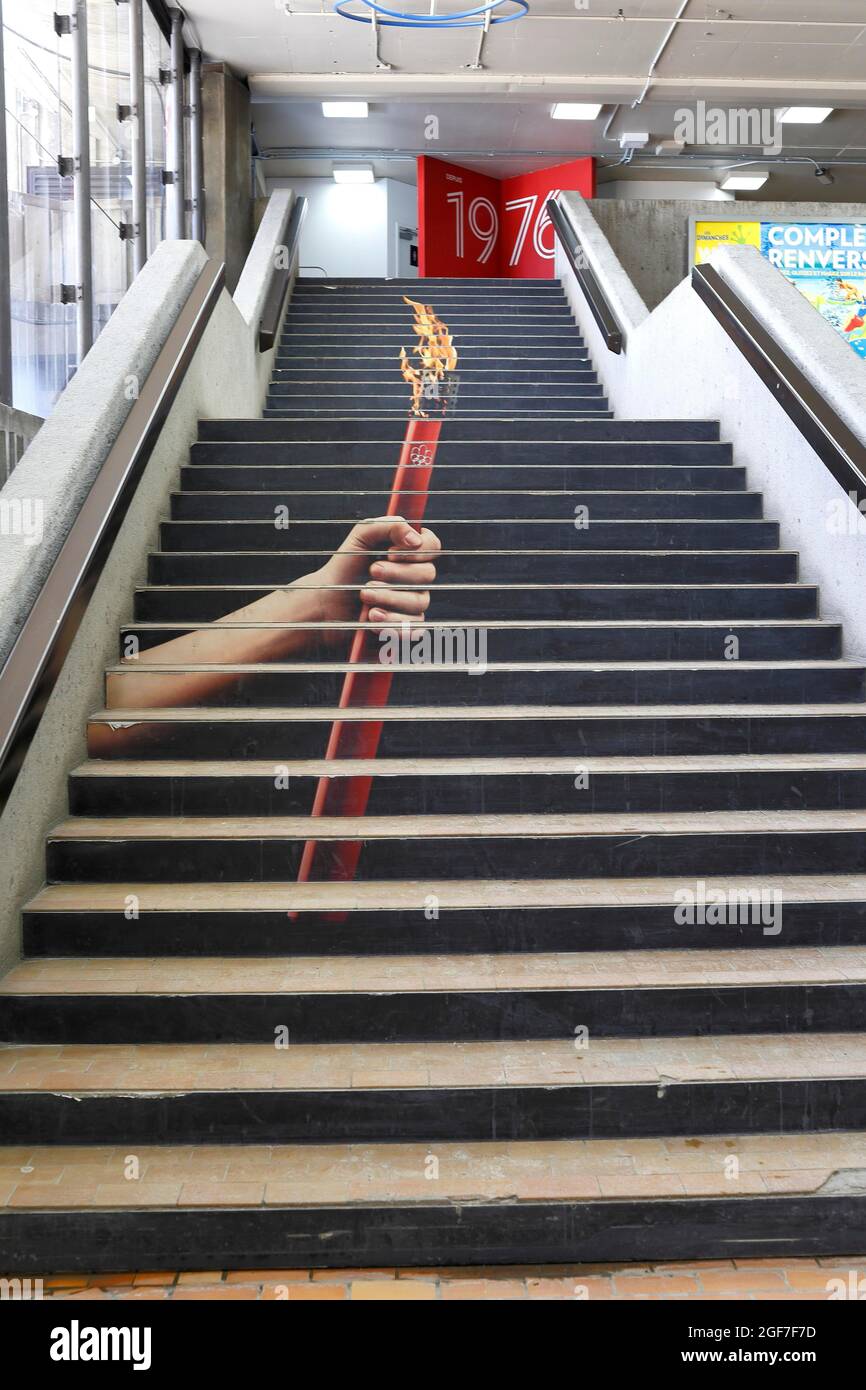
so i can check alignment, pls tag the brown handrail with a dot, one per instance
(36, 660)
(594, 295)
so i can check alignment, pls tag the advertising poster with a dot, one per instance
(475, 225)
(825, 260)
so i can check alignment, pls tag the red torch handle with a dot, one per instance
(348, 796)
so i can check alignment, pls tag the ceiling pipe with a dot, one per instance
(662, 46)
(726, 159)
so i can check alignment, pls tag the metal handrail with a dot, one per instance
(281, 279)
(594, 295)
(36, 660)
(842, 453)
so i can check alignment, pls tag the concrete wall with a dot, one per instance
(228, 177)
(680, 364)
(227, 377)
(651, 236)
(664, 188)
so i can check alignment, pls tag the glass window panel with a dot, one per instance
(42, 258)
(156, 56)
(110, 146)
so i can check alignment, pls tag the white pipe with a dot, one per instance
(662, 46)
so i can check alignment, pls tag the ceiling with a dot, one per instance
(496, 117)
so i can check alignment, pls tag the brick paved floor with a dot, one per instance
(802, 1279)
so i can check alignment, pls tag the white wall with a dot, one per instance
(346, 228)
(679, 363)
(402, 212)
(351, 229)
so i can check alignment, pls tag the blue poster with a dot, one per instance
(827, 263)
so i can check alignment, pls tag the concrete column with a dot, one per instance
(227, 169)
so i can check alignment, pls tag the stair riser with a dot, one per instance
(450, 506)
(391, 295)
(476, 604)
(494, 1233)
(385, 390)
(569, 411)
(464, 1113)
(424, 285)
(385, 320)
(421, 287)
(284, 740)
(534, 356)
(479, 794)
(450, 1016)
(535, 379)
(254, 860)
(486, 331)
(576, 400)
(555, 534)
(467, 931)
(515, 301)
(666, 431)
(331, 305)
(335, 304)
(615, 567)
(444, 685)
(604, 644)
(561, 464)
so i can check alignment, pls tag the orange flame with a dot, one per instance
(435, 349)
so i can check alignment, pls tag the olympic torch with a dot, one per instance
(348, 796)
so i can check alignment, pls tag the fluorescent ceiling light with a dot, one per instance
(353, 173)
(353, 109)
(744, 183)
(575, 110)
(804, 115)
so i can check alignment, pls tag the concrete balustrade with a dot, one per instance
(228, 377)
(679, 363)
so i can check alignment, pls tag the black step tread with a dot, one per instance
(646, 431)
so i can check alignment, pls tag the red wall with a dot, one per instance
(438, 220)
(527, 222)
(499, 225)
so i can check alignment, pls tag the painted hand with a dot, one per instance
(396, 587)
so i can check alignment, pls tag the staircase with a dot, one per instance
(514, 1043)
